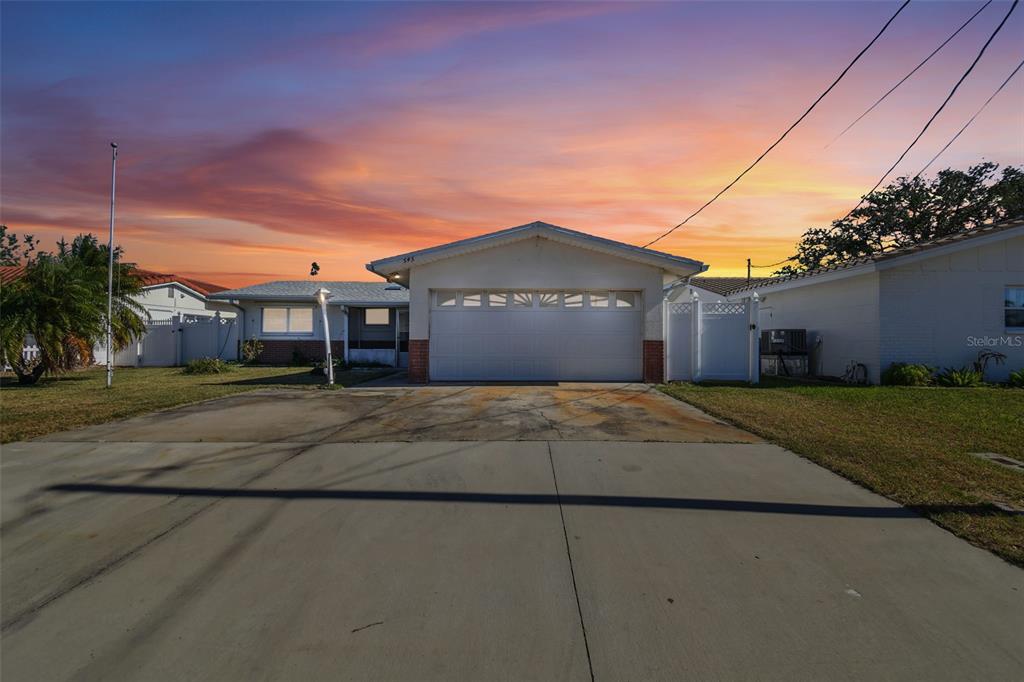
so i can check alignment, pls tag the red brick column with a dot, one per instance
(654, 362)
(419, 361)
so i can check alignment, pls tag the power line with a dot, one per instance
(971, 119)
(788, 130)
(912, 72)
(774, 264)
(937, 111)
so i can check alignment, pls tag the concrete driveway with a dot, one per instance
(475, 533)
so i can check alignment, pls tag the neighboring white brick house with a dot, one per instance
(937, 303)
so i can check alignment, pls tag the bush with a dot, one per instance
(1017, 378)
(207, 366)
(963, 377)
(907, 374)
(251, 350)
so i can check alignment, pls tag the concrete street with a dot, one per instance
(475, 532)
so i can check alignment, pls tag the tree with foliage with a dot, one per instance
(912, 210)
(14, 251)
(61, 301)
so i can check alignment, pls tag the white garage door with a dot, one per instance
(535, 335)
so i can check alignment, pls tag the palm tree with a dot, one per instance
(61, 301)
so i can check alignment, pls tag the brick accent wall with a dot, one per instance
(279, 351)
(419, 361)
(654, 362)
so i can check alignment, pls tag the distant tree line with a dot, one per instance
(912, 210)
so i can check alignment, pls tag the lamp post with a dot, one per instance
(110, 267)
(321, 296)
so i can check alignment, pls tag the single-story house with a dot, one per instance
(368, 321)
(938, 302)
(166, 295)
(536, 302)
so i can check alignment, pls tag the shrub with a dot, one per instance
(1017, 378)
(251, 350)
(207, 366)
(907, 374)
(963, 377)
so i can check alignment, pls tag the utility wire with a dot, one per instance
(788, 130)
(937, 111)
(912, 72)
(774, 264)
(971, 119)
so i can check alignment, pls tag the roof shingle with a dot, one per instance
(341, 292)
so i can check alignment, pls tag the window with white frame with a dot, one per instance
(497, 299)
(288, 320)
(376, 316)
(625, 299)
(1013, 314)
(472, 299)
(446, 299)
(573, 299)
(598, 299)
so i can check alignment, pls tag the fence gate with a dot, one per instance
(679, 363)
(712, 341)
(167, 343)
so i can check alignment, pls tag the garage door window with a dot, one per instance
(288, 320)
(598, 299)
(625, 299)
(497, 300)
(573, 299)
(445, 300)
(471, 299)
(522, 299)
(548, 300)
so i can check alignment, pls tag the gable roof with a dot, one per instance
(342, 293)
(387, 267)
(151, 279)
(964, 239)
(723, 286)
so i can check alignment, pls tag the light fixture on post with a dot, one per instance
(321, 296)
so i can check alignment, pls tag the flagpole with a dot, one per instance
(110, 267)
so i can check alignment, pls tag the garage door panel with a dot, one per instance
(529, 344)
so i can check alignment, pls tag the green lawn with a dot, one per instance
(80, 398)
(909, 444)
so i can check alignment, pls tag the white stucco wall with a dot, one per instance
(842, 313)
(936, 310)
(167, 300)
(535, 263)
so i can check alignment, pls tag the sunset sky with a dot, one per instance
(255, 138)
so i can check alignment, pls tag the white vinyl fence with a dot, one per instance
(168, 343)
(712, 341)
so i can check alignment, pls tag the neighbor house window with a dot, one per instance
(445, 299)
(522, 299)
(497, 300)
(1014, 314)
(598, 299)
(573, 299)
(471, 299)
(288, 320)
(378, 316)
(625, 299)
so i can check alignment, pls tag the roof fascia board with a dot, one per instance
(947, 249)
(175, 283)
(402, 262)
